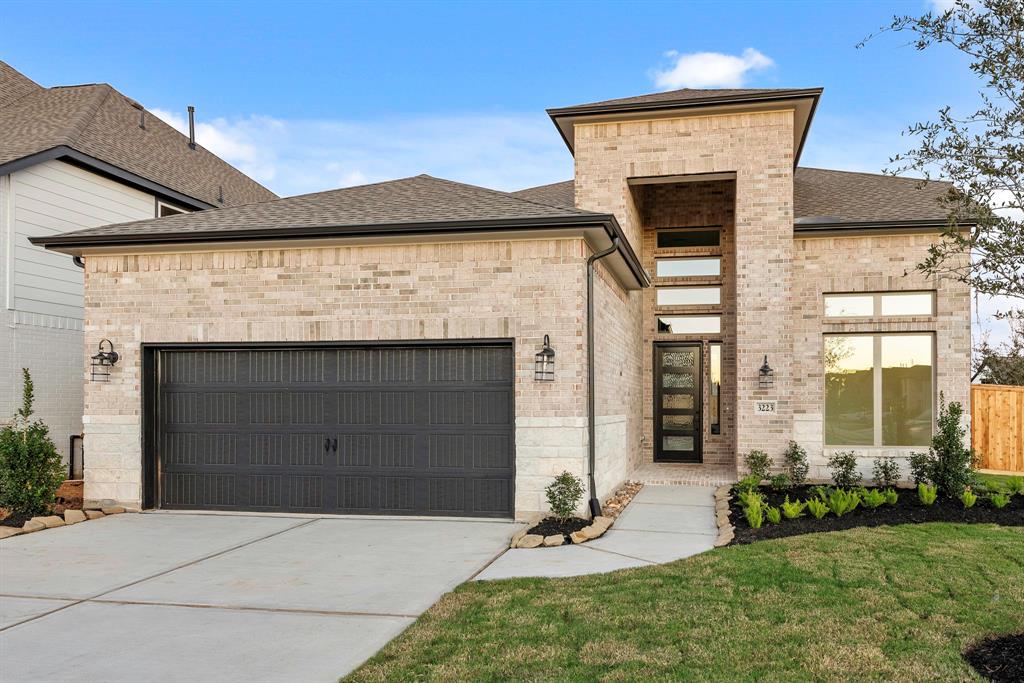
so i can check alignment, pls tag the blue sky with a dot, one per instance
(307, 96)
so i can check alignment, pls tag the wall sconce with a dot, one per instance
(544, 368)
(765, 376)
(103, 361)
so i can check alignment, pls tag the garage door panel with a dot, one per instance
(418, 430)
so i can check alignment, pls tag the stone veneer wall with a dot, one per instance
(521, 289)
(869, 264)
(758, 148)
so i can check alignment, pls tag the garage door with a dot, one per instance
(423, 430)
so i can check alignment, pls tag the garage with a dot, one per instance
(424, 429)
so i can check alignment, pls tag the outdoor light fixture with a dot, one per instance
(103, 361)
(544, 370)
(765, 376)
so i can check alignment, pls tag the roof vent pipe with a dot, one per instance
(191, 127)
(142, 119)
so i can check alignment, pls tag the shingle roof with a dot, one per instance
(417, 200)
(98, 121)
(822, 195)
(683, 95)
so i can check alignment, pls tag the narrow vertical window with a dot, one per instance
(849, 391)
(715, 398)
(907, 390)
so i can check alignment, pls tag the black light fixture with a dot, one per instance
(102, 361)
(544, 369)
(765, 376)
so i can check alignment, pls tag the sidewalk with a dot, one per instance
(662, 524)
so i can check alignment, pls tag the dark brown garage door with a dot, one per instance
(422, 430)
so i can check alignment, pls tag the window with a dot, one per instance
(690, 324)
(689, 296)
(715, 407)
(879, 390)
(167, 210)
(879, 304)
(676, 239)
(688, 267)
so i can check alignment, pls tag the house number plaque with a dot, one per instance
(764, 407)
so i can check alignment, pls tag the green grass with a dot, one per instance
(866, 604)
(996, 480)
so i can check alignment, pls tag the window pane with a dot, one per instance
(690, 324)
(917, 303)
(669, 239)
(689, 296)
(849, 391)
(716, 389)
(677, 401)
(906, 390)
(688, 267)
(847, 306)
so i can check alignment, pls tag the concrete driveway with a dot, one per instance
(185, 597)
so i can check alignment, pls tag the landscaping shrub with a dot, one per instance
(817, 508)
(773, 514)
(948, 463)
(748, 483)
(31, 469)
(843, 466)
(1015, 485)
(758, 464)
(750, 497)
(821, 492)
(886, 472)
(841, 501)
(872, 498)
(891, 497)
(968, 498)
(781, 482)
(564, 495)
(1000, 500)
(795, 458)
(792, 510)
(754, 513)
(927, 494)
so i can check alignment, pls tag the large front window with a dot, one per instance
(879, 390)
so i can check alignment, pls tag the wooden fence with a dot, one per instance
(997, 426)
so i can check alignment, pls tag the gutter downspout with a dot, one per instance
(595, 504)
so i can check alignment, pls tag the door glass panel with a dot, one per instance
(689, 296)
(677, 443)
(677, 422)
(678, 359)
(673, 381)
(915, 303)
(849, 306)
(715, 407)
(906, 390)
(677, 401)
(688, 267)
(690, 324)
(670, 239)
(849, 391)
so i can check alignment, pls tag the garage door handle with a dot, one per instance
(335, 445)
(327, 445)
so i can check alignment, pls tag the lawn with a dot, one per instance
(883, 603)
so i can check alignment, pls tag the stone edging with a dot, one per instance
(595, 529)
(726, 531)
(70, 517)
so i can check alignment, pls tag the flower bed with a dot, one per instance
(999, 659)
(908, 508)
(553, 531)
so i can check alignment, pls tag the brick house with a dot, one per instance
(380, 349)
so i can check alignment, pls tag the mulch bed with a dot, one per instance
(549, 526)
(999, 659)
(908, 510)
(17, 519)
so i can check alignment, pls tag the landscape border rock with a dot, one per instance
(597, 528)
(726, 531)
(71, 516)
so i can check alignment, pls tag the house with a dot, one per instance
(78, 157)
(422, 346)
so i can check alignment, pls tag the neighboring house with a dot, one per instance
(77, 157)
(375, 349)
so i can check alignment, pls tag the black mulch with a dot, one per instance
(999, 658)
(908, 510)
(550, 526)
(17, 519)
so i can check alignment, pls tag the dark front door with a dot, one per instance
(419, 430)
(677, 403)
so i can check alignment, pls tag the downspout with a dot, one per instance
(78, 261)
(595, 504)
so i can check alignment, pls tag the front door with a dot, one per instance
(677, 402)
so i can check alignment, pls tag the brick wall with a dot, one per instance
(506, 289)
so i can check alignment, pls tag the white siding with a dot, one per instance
(51, 198)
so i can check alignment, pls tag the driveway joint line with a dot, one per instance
(612, 552)
(251, 608)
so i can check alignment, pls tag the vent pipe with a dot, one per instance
(142, 119)
(191, 127)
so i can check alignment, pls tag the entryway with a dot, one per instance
(678, 373)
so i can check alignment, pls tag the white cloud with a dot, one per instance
(709, 69)
(942, 5)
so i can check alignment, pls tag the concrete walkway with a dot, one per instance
(662, 524)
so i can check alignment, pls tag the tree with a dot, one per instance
(31, 470)
(982, 152)
(1002, 364)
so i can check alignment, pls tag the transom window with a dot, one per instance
(688, 267)
(879, 389)
(689, 237)
(879, 304)
(689, 296)
(689, 324)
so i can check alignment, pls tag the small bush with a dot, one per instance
(31, 469)
(873, 498)
(948, 463)
(927, 494)
(968, 498)
(891, 497)
(773, 514)
(817, 508)
(781, 482)
(795, 458)
(751, 497)
(1015, 485)
(564, 495)
(755, 513)
(843, 466)
(794, 509)
(1000, 500)
(748, 483)
(821, 492)
(841, 501)
(758, 464)
(886, 472)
